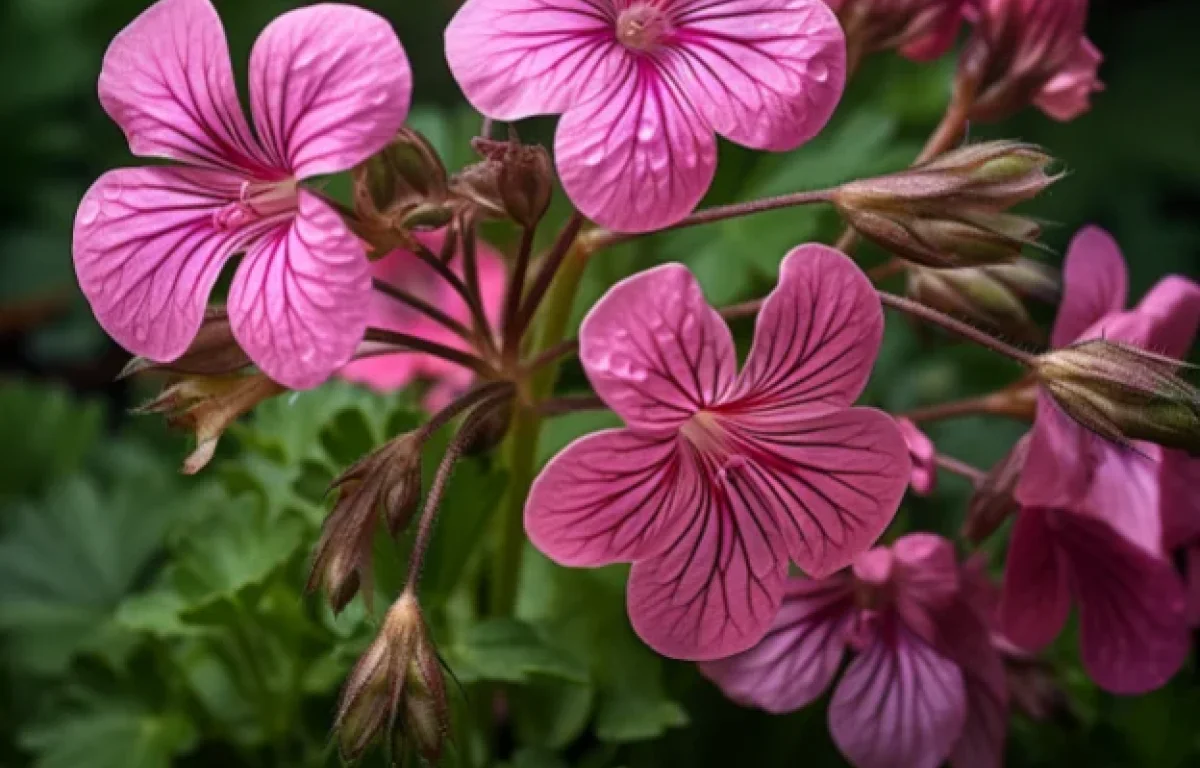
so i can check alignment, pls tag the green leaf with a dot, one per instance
(55, 431)
(110, 734)
(509, 651)
(551, 713)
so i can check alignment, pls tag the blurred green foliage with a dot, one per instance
(148, 619)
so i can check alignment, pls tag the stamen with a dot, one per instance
(257, 200)
(642, 26)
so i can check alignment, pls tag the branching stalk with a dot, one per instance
(417, 344)
(424, 307)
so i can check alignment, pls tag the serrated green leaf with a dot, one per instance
(49, 434)
(110, 734)
(509, 651)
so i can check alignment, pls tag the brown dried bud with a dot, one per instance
(513, 179)
(951, 211)
(977, 295)
(388, 479)
(396, 685)
(924, 29)
(1123, 393)
(995, 498)
(207, 405)
(402, 188)
(214, 351)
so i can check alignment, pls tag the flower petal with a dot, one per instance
(969, 644)
(816, 337)
(147, 253)
(717, 586)
(1125, 491)
(655, 351)
(900, 703)
(1036, 598)
(835, 482)
(1180, 502)
(1095, 283)
(1132, 608)
(517, 58)
(298, 304)
(927, 582)
(1068, 94)
(1172, 308)
(606, 498)
(763, 73)
(1056, 472)
(167, 81)
(923, 452)
(329, 86)
(797, 660)
(638, 157)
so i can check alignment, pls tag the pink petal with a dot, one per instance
(921, 448)
(926, 581)
(1125, 491)
(1036, 598)
(765, 74)
(943, 31)
(900, 703)
(1180, 477)
(607, 497)
(1192, 585)
(330, 86)
(1095, 283)
(969, 644)
(298, 304)
(167, 81)
(1173, 309)
(655, 351)
(517, 58)
(147, 253)
(1133, 623)
(1068, 94)
(1057, 470)
(638, 157)
(835, 482)
(717, 586)
(816, 337)
(797, 660)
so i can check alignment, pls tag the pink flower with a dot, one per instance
(643, 85)
(1036, 51)
(719, 478)
(921, 448)
(329, 86)
(403, 269)
(923, 30)
(927, 685)
(1090, 528)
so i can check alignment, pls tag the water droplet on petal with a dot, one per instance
(89, 212)
(818, 71)
(112, 192)
(647, 131)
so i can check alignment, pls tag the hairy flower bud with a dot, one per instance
(951, 211)
(1123, 393)
(977, 294)
(214, 351)
(921, 29)
(995, 498)
(207, 405)
(388, 479)
(513, 179)
(402, 188)
(396, 685)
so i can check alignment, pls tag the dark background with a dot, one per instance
(93, 517)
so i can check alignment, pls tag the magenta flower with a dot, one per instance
(926, 684)
(403, 269)
(1068, 94)
(1090, 528)
(719, 478)
(923, 30)
(644, 84)
(923, 453)
(329, 86)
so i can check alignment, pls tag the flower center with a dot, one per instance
(642, 26)
(704, 431)
(258, 200)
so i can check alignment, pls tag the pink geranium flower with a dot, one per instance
(329, 86)
(644, 84)
(926, 684)
(719, 478)
(923, 453)
(1090, 527)
(403, 269)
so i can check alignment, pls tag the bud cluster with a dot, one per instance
(991, 296)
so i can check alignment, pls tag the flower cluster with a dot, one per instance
(723, 476)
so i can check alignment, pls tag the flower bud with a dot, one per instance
(922, 29)
(513, 179)
(1123, 393)
(974, 294)
(995, 498)
(396, 685)
(214, 351)
(951, 211)
(207, 405)
(402, 188)
(388, 479)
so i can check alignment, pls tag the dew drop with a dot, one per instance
(647, 132)
(819, 72)
(113, 192)
(594, 158)
(89, 212)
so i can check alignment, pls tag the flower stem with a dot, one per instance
(719, 213)
(558, 406)
(512, 298)
(417, 344)
(470, 242)
(424, 307)
(1015, 403)
(958, 327)
(961, 468)
(548, 272)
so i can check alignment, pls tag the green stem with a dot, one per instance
(521, 445)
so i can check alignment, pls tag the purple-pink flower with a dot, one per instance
(924, 454)
(718, 479)
(402, 268)
(926, 684)
(329, 86)
(923, 30)
(643, 85)
(1090, 529)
